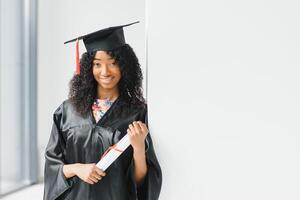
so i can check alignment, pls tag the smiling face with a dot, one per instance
(106, 72)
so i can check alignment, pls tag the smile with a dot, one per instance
(106, 80)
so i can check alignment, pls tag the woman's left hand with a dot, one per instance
(137, 132)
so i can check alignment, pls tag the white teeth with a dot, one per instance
(106, 80)
(109, 78)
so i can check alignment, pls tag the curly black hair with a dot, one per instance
(83, 87)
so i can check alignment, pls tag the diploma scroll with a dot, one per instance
(113, 153)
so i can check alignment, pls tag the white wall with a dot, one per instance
(10, 92)
(224, 98)
(59, 21)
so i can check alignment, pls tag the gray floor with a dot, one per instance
(34, 192)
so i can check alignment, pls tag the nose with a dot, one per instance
(104, 70)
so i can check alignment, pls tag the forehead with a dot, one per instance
(102, 55)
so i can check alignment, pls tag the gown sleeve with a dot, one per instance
(55, 182)
(150, 188)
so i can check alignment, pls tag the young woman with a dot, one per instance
(105, 103)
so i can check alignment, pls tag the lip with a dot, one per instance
(107, 80)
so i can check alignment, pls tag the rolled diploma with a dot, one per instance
(113, 154)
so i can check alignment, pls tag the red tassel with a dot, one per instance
(77, 58)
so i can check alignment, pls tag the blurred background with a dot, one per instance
(221, 81)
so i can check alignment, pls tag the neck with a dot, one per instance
(111, 94)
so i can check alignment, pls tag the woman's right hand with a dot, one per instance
(89, 173)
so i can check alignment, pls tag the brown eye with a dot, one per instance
(97, 64)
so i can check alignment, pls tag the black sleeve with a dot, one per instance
(151, 185)
(55, 182)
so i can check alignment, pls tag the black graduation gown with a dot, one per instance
(75, 139)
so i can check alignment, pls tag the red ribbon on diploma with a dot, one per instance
(114, 147)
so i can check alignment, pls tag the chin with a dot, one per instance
(107, 86)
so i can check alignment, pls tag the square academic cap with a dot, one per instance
(104, 39)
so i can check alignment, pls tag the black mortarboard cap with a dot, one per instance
(104, 39)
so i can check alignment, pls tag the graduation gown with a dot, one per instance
(76, 139)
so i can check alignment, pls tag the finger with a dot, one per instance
(132, 130)
(89, 182)
(100, 172)
(143, 124)
(129, 132)
(93, 179)
(137, 127)
(97, 177)
(143, 127)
